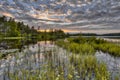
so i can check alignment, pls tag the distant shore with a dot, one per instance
(12, 38)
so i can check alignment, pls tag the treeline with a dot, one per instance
(112, 34)
(93, 34)
(11, 28)
(83, 34)
(53, 34)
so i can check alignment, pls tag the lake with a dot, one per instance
(37, 55)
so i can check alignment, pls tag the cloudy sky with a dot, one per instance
(99, 16)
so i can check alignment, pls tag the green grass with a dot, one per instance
(13, 37)
(86, 66)
(80, 67)
(81, 64)
(89, 46)
(110, 48)
(76, 48)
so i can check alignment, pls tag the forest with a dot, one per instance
(10, 28)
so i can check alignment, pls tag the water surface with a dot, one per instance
(35, 56)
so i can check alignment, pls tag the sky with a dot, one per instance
(88, 16)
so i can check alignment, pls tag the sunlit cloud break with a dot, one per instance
(88, 14)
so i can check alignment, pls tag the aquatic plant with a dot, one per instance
(76, 48)
(71, 61)
(88, 67)
(89, 45)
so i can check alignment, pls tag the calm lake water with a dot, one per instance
(33, 56)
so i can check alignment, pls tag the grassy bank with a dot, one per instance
(89, 45)
(83, 50)
(12, 38)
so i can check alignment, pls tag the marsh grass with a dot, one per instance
(58, 65)
(89, 46)
(70, 61)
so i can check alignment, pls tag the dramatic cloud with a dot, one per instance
(67, 14)
(7, 14)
